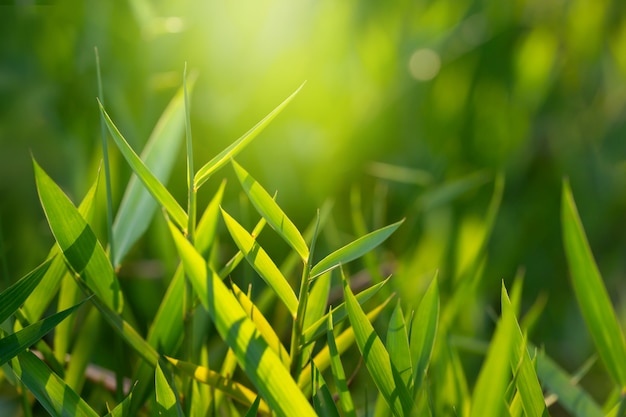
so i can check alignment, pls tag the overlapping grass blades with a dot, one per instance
(14, 296)
(591, 294)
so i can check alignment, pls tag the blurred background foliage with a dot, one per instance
(402, 99)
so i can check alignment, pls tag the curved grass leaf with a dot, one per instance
(149, 180)
(15, 343)
(528, 385)
(267, 207)
(591, 294)
(13, 297)
(262, 263)
(423, 333)
(159, 154)
(53, 394)
(233, 389)
(78, 242)
(256, 358)
(354, 249)
(397, 343)
(377, 359)
(167, 403)
(345, 399)
(231, 151)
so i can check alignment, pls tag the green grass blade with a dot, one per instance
(123, 408)
(527, 383)
(167, 403)
(424, 332)
(13, 297)
(397, 343)
(323, 402)
(376, 358)
(488, 399)
(354, 249)
(591, 294)
(345, 399)
(267, 207)
(231, 151)
(78, 242)
(159, 154)
(207, 226)
(147, 177)
(570, 396)
(339, 313)
(13, 344)
(233, 389)
(262, 263)
(53, 394)
(254, 408)
(256, 358)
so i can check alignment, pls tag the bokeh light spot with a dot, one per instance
(424, 64)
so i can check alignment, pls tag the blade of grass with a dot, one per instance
(53, 394)
(150, 181)
(123, 408)
(254, 408)
(159, 155)
(397, 343)
(376, 358)
(13, 297)
(354, 249)
(167, 402)
(345, 399)
(78, 242)
(262, 366)
(13, 344)
(322, 398)
(267, 207)
(261, 262)
(591, 294)
(231, 151)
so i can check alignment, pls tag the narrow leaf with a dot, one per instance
(150, 181)
(424, 332)
(397, 343)
(231, 151)
(167, 403)
(78, 242)
(267, 207)
(262, 263)
(254, 408)
(345, 399)
(355, 249)
(14, 296)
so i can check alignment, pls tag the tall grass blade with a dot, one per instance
(354, 249)
(78, 242)
(591, 294)
(13, 297)
(231, 151)
(322, 398)
(261, 364)
(262, 263)
(147, 177)
(267, 207)
(424, 332)
(15, 343)
(53, 394)
(345, 399)
(167, 403)
(383, 372)
(254, 408)
(159, 154)
(397, 343)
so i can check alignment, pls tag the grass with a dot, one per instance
(280, 348)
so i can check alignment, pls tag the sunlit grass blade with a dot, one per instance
(354, 249)
(345, 399)
(261, 323)
(570, 396)
(233, 389)
(123, 408)
(78, 242)
(323, 402)
(231, 151)
(591, 294)
(263, 367)
(339, 313)
(15, 343)
(167, 403)
(149, 180)
(207, 226)
(262, 263)
(159, 154)
(397, 344)
(488, 399)
(527, 383)
(53, 394)
(267, 207)
(376, 358)
(424, 332)
(14, 296)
